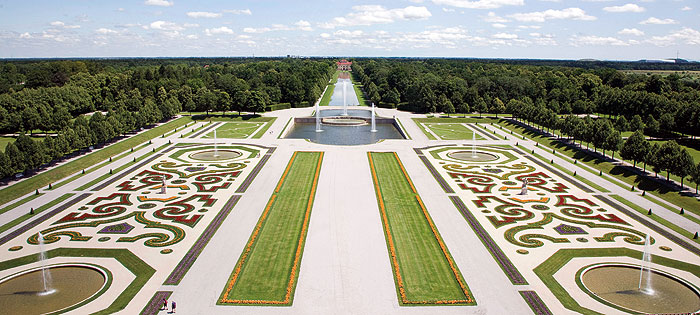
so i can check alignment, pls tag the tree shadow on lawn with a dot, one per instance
(220, 116)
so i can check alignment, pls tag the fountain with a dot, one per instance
(162, 184)
(45, 272)
(345, 99)
(374, 126)
(644, 269)
(318, 119)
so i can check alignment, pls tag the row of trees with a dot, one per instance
(669, 157)
(85, 131)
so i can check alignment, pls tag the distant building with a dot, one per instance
(344, 65)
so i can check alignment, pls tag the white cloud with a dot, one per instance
(631, 31)
(165, 26)
(25, 35)
(192, 36)
(240, 12)
(190, 25)
(593, 40)
(201, 14)
(686, 36)
(448, 10)
(630, 7)
(686, 8)
(499, 25)
(534, 27)
(325, 35)
(303, 25)
(376, 14)
(160, 3)
(542, 16)
(105, 31)
(218, 31)
(63, 25)
(479, 4)
(653, 20)
(505, 36)
(493, 18)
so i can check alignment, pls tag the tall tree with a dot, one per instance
(635, 148)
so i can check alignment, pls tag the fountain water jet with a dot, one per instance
(374, 126)
(345, 100)
(45, 272)
(645, 270)
(318, 119)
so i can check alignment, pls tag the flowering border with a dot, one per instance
(291, 284)
(392, 250)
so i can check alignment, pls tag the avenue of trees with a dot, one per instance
(52, 97)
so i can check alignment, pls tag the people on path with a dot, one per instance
(172, 307)
(165, 304)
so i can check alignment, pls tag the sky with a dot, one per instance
(531, 29)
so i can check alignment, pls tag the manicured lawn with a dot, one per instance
(326, 99)
(267, 271)
(44, 178)
(662, 221)
(452, 131)
(424, 271)
(4, 141)
(447, 122)
(235, 130)
(27, 216)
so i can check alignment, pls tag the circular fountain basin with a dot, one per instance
(618, 284)
(473, 157)
(218, 155)
(24, 293)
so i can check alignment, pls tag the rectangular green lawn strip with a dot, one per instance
(326, 99)
(452, 131)
(264, 129)
(267, 271)
(234, 130)
(427, 274)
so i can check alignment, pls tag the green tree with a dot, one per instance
(256, 102)
(4, 165)
(683, 164)
(445, 105)
(392, 97)
(695, 176)
(667, 157)
(481, 106)
(498, 106)
(652, 125)
(636, 123)
(16, 158)
(635, 148)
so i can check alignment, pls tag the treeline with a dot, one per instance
(437, 85)
(53, 96)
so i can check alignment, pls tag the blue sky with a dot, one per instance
(557, 29)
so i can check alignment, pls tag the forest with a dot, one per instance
(76, 104)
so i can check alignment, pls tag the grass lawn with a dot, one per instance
(4, 141)
(235, 130)
(326, 99)
(452, 131)
(424, 271)
(51, 176)
(621, 173)
(267, 271)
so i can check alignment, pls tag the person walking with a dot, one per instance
(165, 304)
(172, 307)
